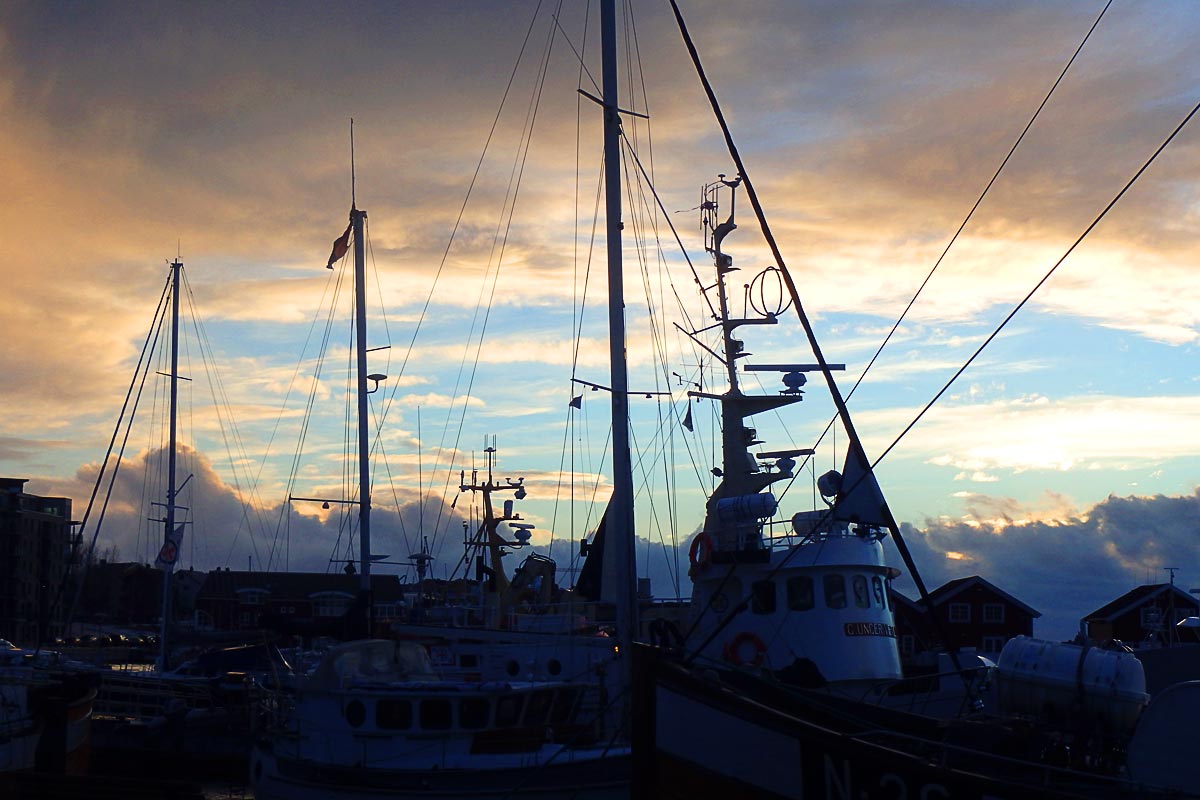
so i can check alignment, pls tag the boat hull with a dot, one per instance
(696, 736)
(597, 777)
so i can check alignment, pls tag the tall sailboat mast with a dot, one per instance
(619, 567)
(358, 219)
(170, 536)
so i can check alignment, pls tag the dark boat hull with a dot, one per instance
(697, 736)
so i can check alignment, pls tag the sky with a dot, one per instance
(1062, 465)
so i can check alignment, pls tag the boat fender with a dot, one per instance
(734, 649)
(700, 553)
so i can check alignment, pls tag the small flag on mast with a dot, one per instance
(340, 246)
(687, 418)
(576, 402)
(169, 553)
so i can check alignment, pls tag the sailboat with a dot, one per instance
(375, 720)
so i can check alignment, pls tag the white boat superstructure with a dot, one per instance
(811, 605)
(374, 719)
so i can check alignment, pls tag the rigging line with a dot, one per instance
(1041, 282)
(583, 70)
(682, 249)
(966, 219)
(834, 391)
(471, 187)
(515, 188)
(283, 406)
(978, 201)
(220, 400)
(335, 280)
(146, 346)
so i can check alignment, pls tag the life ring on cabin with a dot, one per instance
(735, 648)
(700, 553)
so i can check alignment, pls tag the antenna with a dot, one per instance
(353, 204)
(1172, 570)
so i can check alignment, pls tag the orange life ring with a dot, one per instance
(733, 650)
(700, 553)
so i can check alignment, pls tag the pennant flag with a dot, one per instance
(169, 553)
(859, 499)
(340, 246)
(687, 419)
(576, 402)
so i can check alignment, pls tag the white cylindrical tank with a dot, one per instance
(1056, 681)
(746, 508)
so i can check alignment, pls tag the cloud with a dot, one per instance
(1064, 562)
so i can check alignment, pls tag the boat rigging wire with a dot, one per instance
(975, 207)
(445, 257)
(954, 238)
(1040, 283)
(148, 346)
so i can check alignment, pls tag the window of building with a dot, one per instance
(1151, 617)
(331, 604)
(252, 597)
(835, 591)
(960, 612)
(993, 644)
(993, 612)
(800, 593)
(762, 597)
(862, 595)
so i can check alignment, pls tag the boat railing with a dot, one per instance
(1039, 775)
(925, 689)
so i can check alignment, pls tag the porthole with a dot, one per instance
(356, 713)
(554, 666)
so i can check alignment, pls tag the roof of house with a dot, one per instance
(951, 589)
(1139, 596)
(223, 583)
(903, 600)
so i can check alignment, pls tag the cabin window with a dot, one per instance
(993, 612)
(800, 593)
(880, 594)
(960, 612)
(508, 710)
(564, 705)
(538, 708)
(395, 715)
(436, 715)
(835, 591)
(862, 596)
(473, 713)
(762, 597)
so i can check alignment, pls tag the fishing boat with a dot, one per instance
(784, 684)
(375, 721)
